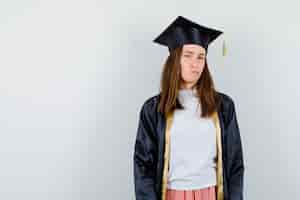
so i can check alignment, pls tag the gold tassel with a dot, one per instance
(224, 52)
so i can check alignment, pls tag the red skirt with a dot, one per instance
(208, 193)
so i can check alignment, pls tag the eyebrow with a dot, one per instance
(191, 52)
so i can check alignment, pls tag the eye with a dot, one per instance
(186, 55)
(200, 58)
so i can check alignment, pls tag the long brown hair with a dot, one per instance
(170, 85)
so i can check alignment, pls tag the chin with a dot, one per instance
(194, 80)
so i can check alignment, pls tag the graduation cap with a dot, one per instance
(184, 31)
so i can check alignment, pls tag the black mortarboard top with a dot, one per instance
(184, 31)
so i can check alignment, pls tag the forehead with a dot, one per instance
(195, 48)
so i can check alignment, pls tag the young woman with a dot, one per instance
(188, 144)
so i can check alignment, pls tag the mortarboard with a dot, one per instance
(184, 31)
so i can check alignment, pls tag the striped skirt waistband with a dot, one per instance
(208, 193)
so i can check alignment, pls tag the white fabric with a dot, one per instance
(193, 147)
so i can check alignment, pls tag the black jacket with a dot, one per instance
(150, 144)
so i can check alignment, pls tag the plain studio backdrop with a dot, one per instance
(74, 75)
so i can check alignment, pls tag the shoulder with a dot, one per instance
(149, 107)
(151, 103)
(225, 98)
(227, 108)
(227, 101)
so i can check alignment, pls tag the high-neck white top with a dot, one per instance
(193, 147)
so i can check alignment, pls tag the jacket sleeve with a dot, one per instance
(236, 169)
(145, 151)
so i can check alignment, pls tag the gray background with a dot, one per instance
(74, 75)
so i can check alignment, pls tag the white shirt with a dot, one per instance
(193, 147)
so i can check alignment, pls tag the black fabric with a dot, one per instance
(149, 151)
(184, 31)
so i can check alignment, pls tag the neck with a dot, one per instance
(187, 86)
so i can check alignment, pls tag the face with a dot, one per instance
(192, 63)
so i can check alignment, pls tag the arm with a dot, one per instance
(236, 175)
(144, 158)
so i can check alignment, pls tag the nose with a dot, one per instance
(194, 63)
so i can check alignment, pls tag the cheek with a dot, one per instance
(184, 69)
(202, 65)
